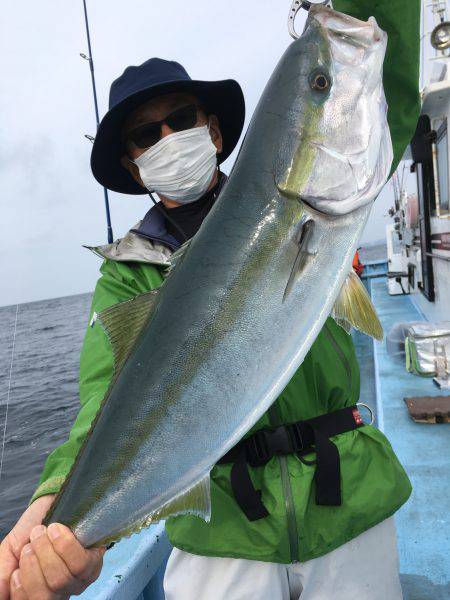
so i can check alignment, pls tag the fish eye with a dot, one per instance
(320, 82)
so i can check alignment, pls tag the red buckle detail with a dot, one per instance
(357, 417)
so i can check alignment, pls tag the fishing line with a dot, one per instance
(9, 390)
(164, 212)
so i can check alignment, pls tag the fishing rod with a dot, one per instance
(94, 90)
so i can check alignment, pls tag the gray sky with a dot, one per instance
(50, 203)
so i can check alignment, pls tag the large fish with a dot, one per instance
(199, 361)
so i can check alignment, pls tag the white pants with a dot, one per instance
(366, 568)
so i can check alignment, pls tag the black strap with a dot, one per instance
(302, 437)
(328, 471)
(327, 475)
(248, 498)
(256, 450)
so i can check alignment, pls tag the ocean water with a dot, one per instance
(44, 391)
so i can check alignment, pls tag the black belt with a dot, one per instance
(300, 438)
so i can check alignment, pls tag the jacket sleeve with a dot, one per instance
(400, 19)
(118, 282)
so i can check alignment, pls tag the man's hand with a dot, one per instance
(45, 563)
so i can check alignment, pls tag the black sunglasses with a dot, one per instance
(149, 134)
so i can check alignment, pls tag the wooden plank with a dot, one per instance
(429, 409)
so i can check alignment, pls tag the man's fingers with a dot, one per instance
(57, 576)
(17, 591)
(32, 578)
(8, 564)
(20, 534)
(83, 564)
(54, 565)
(13, 543)
(4, 590)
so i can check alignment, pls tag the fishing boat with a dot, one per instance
(134, 568)
(418, 240)
(412, 285)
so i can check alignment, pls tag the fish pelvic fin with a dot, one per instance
(194, 501)
(123, 322)
(354, 308)
(303, 255)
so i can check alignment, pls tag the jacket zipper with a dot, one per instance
(282, 460)
(287, 493)
(341, 355)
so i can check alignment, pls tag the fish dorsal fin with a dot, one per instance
(194, 501)
(123, 322)
(354, 307)
(176, 257)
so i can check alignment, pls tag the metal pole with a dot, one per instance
(91, 66)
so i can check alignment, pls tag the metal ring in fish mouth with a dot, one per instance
(372, 414)
(295, 7)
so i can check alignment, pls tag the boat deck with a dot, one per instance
(135, 566)
(423, 524)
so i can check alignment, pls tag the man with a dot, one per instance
(167, 133)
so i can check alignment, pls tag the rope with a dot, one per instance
(9, 391)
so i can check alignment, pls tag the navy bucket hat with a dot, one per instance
(137, 85)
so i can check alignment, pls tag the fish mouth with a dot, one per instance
(359, 33)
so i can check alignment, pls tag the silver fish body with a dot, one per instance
(240, 310)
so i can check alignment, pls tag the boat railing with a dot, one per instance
(375, 268)
(133, 568)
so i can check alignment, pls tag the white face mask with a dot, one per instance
(180, 166)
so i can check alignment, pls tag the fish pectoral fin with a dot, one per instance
(303, 254)
(354, 307)
(123, 322)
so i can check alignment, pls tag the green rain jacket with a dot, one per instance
(374, 485)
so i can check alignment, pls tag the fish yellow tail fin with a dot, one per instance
(354, 307)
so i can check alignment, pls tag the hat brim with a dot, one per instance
(222, 98)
